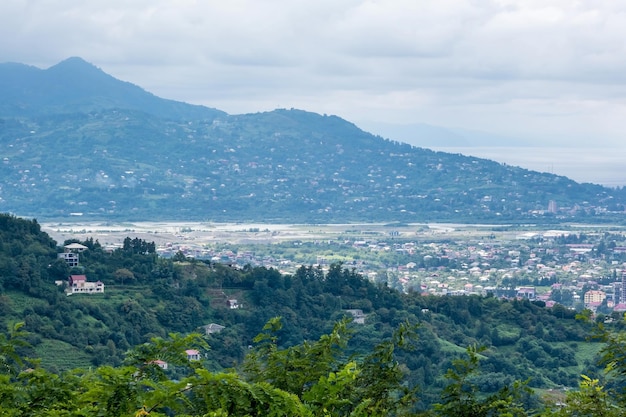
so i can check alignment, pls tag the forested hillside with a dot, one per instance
(151, 297)
(76, 141)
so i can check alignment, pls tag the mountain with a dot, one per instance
(75, 85)
(75, 140)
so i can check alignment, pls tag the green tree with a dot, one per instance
(462, 398)
(123, 276)
(327, 383)
(58, 270)
(11, 347)
(590, 400)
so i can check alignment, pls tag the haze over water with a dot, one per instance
(598, 166)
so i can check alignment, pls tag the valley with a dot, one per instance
(321, 239)
(566, 265)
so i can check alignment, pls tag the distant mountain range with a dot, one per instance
(76, 141)
(75, 86)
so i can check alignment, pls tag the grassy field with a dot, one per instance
(447, 346)
(587, 352)
(56, 354)
(21, 301)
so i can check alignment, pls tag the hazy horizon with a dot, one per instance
(580, 164)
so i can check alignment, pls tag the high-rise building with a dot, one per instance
(622, 299)
(552, 206)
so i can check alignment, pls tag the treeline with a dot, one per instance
(25, 253)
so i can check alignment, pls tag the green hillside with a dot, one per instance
(76, 141)
(150, 297)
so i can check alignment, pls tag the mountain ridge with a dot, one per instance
(85, 142)
(74, 85)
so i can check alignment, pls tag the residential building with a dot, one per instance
(78, 284)
(192, 355)
(70, 253)
(594, 297)
(526, 292)
(212, 328)
(161, 364)
(357, 315)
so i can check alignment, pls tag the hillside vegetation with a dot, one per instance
(148, 297)
(76, 141)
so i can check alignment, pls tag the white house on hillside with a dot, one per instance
(78, 284)
(212, 328)
(192, 354)
(357, 315)
(70, 253)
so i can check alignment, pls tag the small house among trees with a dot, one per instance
(161, 364)
(70, 253)
(192, 354)
(78, 284)
(212, 328)
(357, 315)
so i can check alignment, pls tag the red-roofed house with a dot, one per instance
(79, 285)
(621, 307)
(193, 355)
(161, 364)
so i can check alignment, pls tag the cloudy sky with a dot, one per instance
(548, 73)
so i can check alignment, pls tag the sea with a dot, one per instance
(585, 165)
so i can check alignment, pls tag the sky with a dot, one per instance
(539, 73)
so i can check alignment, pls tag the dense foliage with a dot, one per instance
(310, 379)
(148, 298)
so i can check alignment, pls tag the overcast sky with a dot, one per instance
(548, 72)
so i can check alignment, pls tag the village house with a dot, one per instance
(161, 364)
(70, 254)
(357, 315)
(78, 284)
(212, 328)
(525, 292)
(192, 355)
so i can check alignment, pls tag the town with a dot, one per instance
(579, 267)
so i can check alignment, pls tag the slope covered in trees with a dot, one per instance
(149, 297)
(160, 378)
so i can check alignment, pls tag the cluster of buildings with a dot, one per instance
(575, 269)
(579, 269)
(539, 267)
(78, 283)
